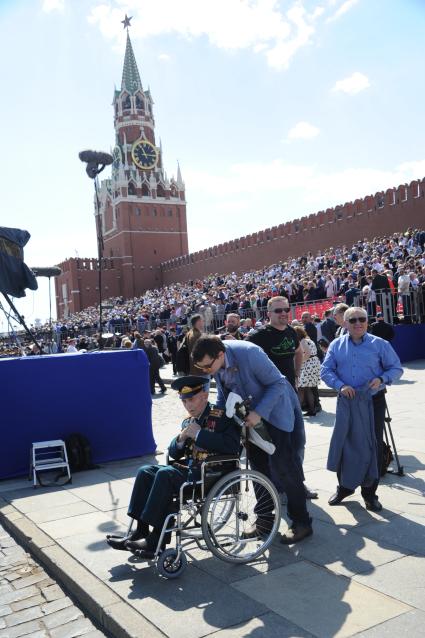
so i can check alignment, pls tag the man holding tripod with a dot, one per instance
(359, 366)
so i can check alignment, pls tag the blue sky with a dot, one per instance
(275, 109)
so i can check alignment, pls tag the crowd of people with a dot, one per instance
(360, 274)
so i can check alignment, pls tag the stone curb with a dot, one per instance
(112, 613)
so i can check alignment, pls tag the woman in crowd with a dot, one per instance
(310, 372)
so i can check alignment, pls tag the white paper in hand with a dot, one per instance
(232, 400)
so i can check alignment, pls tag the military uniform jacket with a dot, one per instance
(218, 435)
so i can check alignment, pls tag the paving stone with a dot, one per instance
(7, 541)
(76, 628)
(5, 610)
(30, 500)
(5, 588)
(105, 496)
(276, 556)
(56, 605)
(94, 553)
(120, 619)
(411, 623)
(29, 580)
(11, 577)
(343, 552)
(27, 602)
(2, 623)
(320, 602)
(25, 615)
(60, 512)
(18, 594)
(52, 592)
(406, 531)
(21, 630)
(62, 617)
(403, 579)
(38, 634)
(99, 522)
(269, 625)
(206, 603)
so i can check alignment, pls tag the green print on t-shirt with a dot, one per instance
(286, 347)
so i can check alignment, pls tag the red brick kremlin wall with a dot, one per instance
(376, 215)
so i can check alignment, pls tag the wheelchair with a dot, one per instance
(214, 512)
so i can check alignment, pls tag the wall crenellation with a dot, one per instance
(385, 211)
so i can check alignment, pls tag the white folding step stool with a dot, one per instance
(48, 455)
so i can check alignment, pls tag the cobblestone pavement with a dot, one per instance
(32, 605)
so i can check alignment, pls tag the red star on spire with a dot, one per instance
(126, 21)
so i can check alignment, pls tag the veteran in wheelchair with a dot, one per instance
(202, 495)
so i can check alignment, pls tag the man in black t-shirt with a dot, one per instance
(281, 344)
(279, 341)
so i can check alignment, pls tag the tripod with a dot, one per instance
(388, 435)
(19, 318)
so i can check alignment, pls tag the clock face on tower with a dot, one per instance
(144, 154)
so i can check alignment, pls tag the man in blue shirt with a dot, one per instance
(244, 368)
(359, 366)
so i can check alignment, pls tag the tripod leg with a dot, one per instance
(22, 322)
(400, 469)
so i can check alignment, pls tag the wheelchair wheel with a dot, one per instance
(250, 495)
(167, 565)
(223, 512)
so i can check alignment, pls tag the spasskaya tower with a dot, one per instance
(143, 212)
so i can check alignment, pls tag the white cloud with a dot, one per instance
(353, 84)
(253, 196)
(344, 8)
(53, 5)
(164, 57)
(315, 186)
(303, 131)
(258, 25)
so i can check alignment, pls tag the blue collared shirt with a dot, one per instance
(356, 364)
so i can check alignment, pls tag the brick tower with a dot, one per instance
(143, 212)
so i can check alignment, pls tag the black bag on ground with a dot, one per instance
(79, 453)
(182, 358)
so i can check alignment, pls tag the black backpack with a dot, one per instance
(182, 358)
(79, 452)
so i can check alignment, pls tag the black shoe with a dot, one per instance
(372, 504)
(318, 408)
(120, 542)
(340, 494)
(310, 494)
(259, 529)
(163, 390)
(296, 533)
(150, 543)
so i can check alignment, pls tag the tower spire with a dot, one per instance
(130, 73)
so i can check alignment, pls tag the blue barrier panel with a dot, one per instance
(103, 395)
(409, 342)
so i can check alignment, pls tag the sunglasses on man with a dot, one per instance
(279, 311)
(355, 319)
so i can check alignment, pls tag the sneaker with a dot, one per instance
(296, 533)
